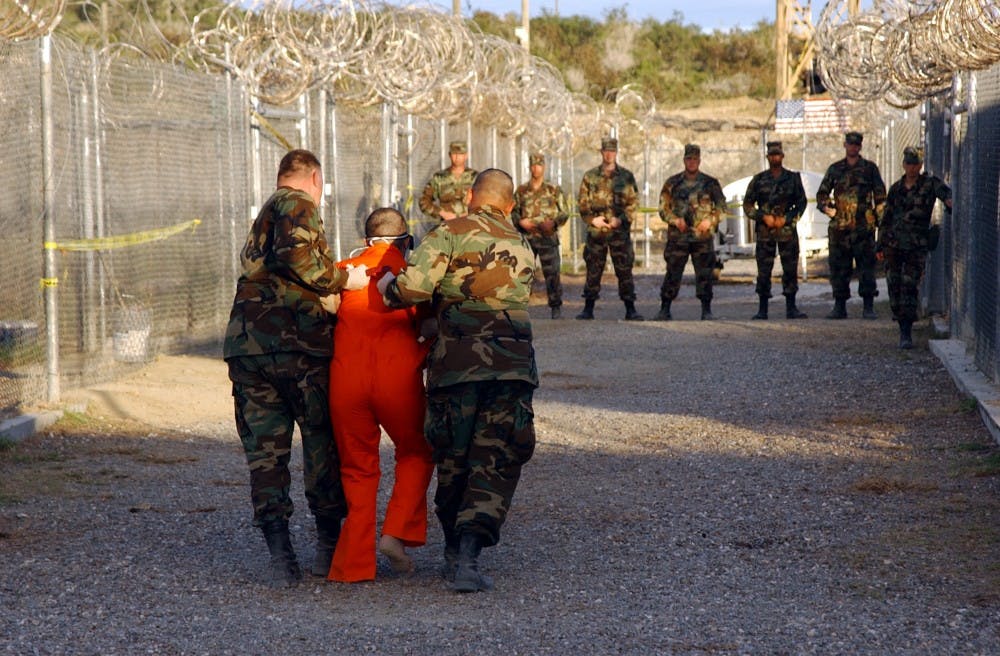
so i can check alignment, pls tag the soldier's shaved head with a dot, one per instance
(385, 222)
(493, 187)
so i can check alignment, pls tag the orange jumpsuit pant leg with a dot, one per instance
(357, 436)
(400, 404)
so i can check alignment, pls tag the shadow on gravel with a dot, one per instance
(727, 487)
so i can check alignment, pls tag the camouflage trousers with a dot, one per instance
(765, 250)
(551, 262)
(595, 254)
(903, 271)
(847, 248)
(481, 434)
(272, 393)
(676, 252)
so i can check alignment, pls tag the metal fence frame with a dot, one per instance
(82, 180)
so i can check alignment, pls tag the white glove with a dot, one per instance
(383, 282)
(357, 277)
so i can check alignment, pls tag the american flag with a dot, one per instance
(812, 115)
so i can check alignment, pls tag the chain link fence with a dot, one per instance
(125, 186)
(133, 183)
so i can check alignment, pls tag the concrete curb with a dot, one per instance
(18, 428)
(970, 381)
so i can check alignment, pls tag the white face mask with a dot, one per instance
(389, 240)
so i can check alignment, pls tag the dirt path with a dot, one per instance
(727, 487)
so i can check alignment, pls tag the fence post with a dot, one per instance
(50, 282)
(333, 180)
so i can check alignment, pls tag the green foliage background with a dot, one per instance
(676, 62)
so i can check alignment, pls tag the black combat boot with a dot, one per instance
(869, 308)
(450, 563)
(284, 570)
(762, 308)
(839, 310)
(792, 312)
(467, 575)
(664, 313)
(556, 311)
(630, 313)
(905, 334)
(706, 309)
(327, 533)
(588, 309)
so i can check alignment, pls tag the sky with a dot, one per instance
(707, 14)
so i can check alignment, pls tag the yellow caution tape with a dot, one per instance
(270, 128)
(49, 282)
(409, 199)
(120, 241)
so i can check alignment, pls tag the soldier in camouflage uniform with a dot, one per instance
(852, 194)
(607, 201)
(902, 238)
(693, 205)
(539, 212)
(477, 271)
(278, 346)
(445, 193)
(775, 199)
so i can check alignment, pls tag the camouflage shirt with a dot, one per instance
(477, 271)
(693, 201)
(608, 195)
(907, 215)
(858, 194)
(782, 196)
(446, 192)
(286, 268)
(539, 205)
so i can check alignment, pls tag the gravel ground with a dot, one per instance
(728, 487)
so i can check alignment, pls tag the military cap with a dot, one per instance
(774, 148)
(609, 143)
(692, 150)
(537, 158)
(853, 137)
(458, 147)
(912, 155)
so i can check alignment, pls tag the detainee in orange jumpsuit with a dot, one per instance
(376, 379)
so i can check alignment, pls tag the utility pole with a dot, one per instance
(456, 7)
(523, 33)
(793, 20)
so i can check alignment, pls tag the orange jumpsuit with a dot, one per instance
(376, 379)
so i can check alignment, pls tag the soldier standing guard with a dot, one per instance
(903, 238)
(607, 201)
(692, 204)
(539, 212)
(445, 193)
(856, 205)
(775, 199)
